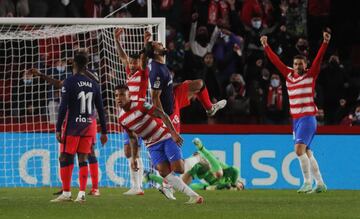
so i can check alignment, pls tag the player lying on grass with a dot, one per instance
(139, 118)
(205, 166)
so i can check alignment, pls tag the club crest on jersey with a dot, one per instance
(84, 83)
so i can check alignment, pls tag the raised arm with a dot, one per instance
(122, 54)
(56, 83)
(315, 67)
(143, 57)
(165, 118)
(283, 69)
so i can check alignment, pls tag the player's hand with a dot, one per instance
(58, 137)
(134, 164)
(118, 32)
(263, 40)
(327, 36)
(147, 36)
(103, 139)
(177, 138)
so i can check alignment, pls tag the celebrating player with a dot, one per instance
(300, 82)
(139, 118)
(137, 81)
(79, 95)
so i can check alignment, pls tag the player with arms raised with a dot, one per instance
(79, 95)
(300, 82)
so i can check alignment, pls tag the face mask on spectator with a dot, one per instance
(357, 115)
(27, 81)
(256, 24)
(60, 68)
(302, 47)
(275, 82)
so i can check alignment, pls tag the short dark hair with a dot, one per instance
(81, 59)
(300, 57)
(149, 50)
(135, 55)
(121, 87)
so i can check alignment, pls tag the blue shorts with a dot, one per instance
(304, 129)
(126, 139)
(164, 151)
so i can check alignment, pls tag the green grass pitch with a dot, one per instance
(34, 203)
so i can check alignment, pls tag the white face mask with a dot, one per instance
(27, 81)
(60, 68)
(275, 82)
(357, 114)
(256, 24)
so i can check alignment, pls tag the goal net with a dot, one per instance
(28, 104)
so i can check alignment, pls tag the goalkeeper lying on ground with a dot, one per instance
(205, 166)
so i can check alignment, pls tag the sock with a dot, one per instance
(179, 185)
(66, 168)
(214, 162)
(198, 186)
(204, 98)
(134, 179)
(67, 194)
(94, 171)
(305, 167)
(140, 172)
(83, 175)
(316, 171)
(156, 178)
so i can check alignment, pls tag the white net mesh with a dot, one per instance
(28, 104)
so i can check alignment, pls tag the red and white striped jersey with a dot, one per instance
(301, 89)
(140, 120)
(138, 84)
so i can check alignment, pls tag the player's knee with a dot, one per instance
(66, 159)
(82, 157)
(199, 84)
(300, 149)
(127, 151)
(92, 158)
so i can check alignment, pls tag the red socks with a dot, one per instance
(65, 174)
(94, 171)
(83, 175)
(204, 98)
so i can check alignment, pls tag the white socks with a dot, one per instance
(67, 194)
(140, 172)
(179, 185)
(305, 167)
(136, 176)
(316, 171)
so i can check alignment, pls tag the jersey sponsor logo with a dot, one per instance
(175, 120)
(157, 83)
(81, 119)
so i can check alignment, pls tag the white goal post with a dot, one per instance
(28, 104)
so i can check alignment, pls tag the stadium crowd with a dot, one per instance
(218, 41)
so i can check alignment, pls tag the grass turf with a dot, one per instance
(34, 203)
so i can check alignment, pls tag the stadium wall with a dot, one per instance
(264, 155)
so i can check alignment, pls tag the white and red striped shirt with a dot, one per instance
(301, 89)
(138, 84)
(140, 120)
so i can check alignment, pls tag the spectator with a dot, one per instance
(209, 74)
(53, 107)
(334, 83)
(353, 119)
(238, 103)
(276, 104)
(294, 15)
